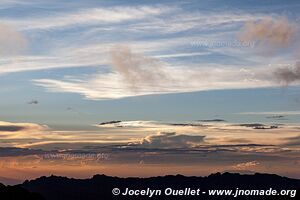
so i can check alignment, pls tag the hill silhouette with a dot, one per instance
(17, 193)
(101, 186)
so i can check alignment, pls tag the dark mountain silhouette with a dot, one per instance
(101, 186)
(17, 193)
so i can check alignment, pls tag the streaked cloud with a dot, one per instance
(13, 151)
(91, 16)
(134, 74)
(293, 141)
(221, 145)
(150, 134)
(271, 113)
(146, 64)
(111, 50)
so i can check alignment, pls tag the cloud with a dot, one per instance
(137, 69)
(11, 131)
(11, 41)
(174, 144)
(288, 75)
(187, 124)
(171, 140)
(113, 86)
(246, 165)
(269, 32)
(84, 47)
(33, 102)
(274, 34)
(110, 122)
(212, 120)
(91, 16)
(22, 126)
(135, 74)
(13, 151)
(182, 55)
(134, 71)
(10, 128)
(293, 141)
(276, 117)
(271, 113)
(130, 124)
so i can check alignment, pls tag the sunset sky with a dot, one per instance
(189, 87)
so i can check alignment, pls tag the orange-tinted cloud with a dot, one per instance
(269, 32)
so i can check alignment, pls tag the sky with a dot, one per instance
(194, 79)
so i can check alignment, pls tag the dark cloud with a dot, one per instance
(212, 120)
(258, 126)
(161, 149)
(293, 141)
(238, 140)
(251, 125)
(33, 102)
(275, 117)
(288, 75)
(187, 124)
(156, 152)
(110, 122)
(11, 128)
(240, 145)
(13, 151)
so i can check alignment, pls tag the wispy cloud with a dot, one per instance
(92, 16)
(272, 113)
(135, 74)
